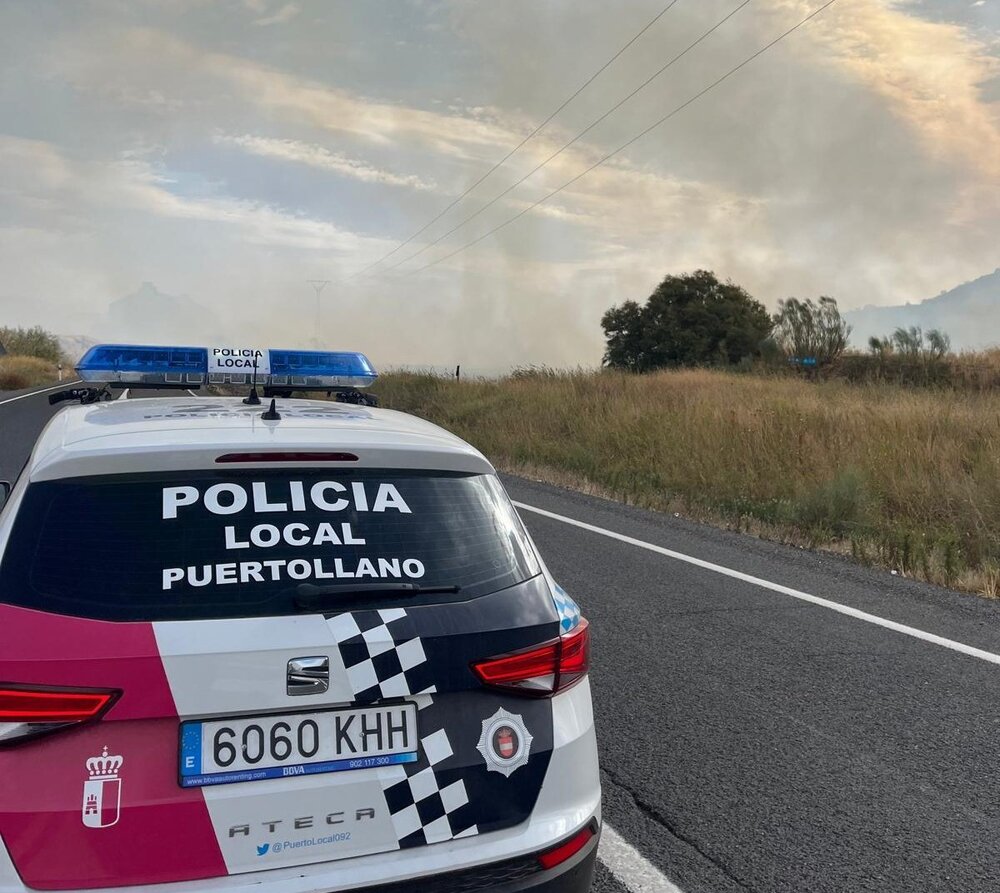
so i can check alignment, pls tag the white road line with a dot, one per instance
(192, 393)
(629, 866)
(123, 395)
(56, 387)
(960, 647)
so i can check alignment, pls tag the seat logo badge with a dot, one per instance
(102, 791)
(505, 742)
(308, 676)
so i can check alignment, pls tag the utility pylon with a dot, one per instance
(318, 286)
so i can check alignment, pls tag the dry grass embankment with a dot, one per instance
(26, 372)
(968, 371)
(903, 478)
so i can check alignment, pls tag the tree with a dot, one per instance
(938, 344)
(912, 344)
(811, 331)
(33, 342)
(689, 320)
(880, 347)
(623, 329)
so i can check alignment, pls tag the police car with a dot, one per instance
(295, 645)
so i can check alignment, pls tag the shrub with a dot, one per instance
(837, 507)
(25, 372)
(33, 342)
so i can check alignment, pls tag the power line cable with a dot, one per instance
(634, 139)
(523, 142)
(576, 138)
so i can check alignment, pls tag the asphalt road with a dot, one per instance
(22, 415)
(753, 741)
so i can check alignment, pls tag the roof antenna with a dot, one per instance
(271, 414)
(252, 399)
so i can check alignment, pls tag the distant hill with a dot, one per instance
(969, 314)
(149, 316)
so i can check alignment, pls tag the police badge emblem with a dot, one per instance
(102, 791)
(505, 743)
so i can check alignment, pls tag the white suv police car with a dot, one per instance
(308, 649)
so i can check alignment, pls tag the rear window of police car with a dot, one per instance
(200, 545)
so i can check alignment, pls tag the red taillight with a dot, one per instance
(27, 711)
(567, 850)
(287, 457)
(543, 669)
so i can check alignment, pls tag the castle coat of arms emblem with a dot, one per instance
(102, 791)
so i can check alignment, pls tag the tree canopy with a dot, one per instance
(689, 320)
(808, 330)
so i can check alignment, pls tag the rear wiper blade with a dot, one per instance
(308, 595)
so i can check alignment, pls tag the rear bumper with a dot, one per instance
(510, 876)
(519, 875)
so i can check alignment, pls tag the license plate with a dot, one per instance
(252, 748)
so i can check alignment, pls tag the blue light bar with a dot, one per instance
(320, 369)
(301, 370)
(144, 364)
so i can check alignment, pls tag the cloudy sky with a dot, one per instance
(230, 151)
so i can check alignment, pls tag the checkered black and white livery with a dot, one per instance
(426, 802)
